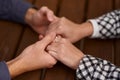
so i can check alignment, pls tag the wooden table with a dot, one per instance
(15, 37)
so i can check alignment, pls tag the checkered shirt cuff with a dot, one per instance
(107, 26)
(92, 68)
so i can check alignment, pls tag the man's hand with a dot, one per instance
(39, 20)
(64, 51)
(70, 30)
(33, 57)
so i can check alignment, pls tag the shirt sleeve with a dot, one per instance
(107, 26)
(92, 68)
(13, 10)
(4, 73)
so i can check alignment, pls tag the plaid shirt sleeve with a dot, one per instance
(92, 68)
(107, 26)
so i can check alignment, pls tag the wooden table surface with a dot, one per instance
(15, 37)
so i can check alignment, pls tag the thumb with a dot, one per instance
(49, 13)
(48, 39)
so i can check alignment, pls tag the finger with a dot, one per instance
(51, 16)
(53, 54)
(49, 13)
(53, 27)
(51, 47)
(48, 39)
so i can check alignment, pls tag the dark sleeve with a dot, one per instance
(92, 68)
(13, 10)
(4, 73)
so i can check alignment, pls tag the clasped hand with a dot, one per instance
(55, 43)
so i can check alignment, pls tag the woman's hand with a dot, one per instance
(65, 52)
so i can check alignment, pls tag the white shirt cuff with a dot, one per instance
(96, 29)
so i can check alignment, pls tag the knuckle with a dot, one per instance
(52, 63)
(51, 12)
(62, 18)
(44, 7)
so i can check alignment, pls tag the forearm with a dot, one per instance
(15, 67)
(107, 26)
(93, 68)
(84, 30)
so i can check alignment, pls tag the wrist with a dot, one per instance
(29, 15)
(77, 60)
(85, 30)
(15, 67)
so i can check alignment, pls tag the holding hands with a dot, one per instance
(57, 35)
(40, 20)
(45, 22)
(70, 30)
(33, 57)
(64, 51)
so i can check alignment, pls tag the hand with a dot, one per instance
(64, 51)
(39, 20)
(69, 30)
(33, 57)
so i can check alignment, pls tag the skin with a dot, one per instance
(32, 58)
(39, 20)
(64, 51)
(67, 28)
(35, 55)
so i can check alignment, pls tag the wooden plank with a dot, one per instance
(73, 10)
(117, 4)
(51, 4)
(117, 50)
(9, 37)
(60, 72)
(98, 7)
(117, 42)
(29, 37)
(99, 48)
(33, 75)
(69, 9)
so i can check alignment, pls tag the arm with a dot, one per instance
(32, 58)
(88, 67)
(14, 10)
(107, 26)
(23, 12)
(96, 68)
